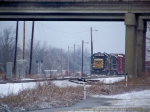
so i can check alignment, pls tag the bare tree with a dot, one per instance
(7, 46)
(39, 53)
(51, 57)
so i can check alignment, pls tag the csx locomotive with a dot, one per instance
(103, 63)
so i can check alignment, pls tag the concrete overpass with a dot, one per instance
(135, 14)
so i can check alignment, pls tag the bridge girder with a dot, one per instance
(88, 11)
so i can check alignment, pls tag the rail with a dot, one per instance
(52, 79)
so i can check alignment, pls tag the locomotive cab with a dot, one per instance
(98, 63)
(103, 63)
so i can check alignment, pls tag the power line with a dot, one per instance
(62, 31)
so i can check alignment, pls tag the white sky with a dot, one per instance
(109, 38)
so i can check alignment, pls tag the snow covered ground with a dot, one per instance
(65, 83)
(138, 101)
(132, 99)
(127, 102)
(15, 87)
(109, 80)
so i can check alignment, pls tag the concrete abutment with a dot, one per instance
(130, 23)
(134, 45)
(140, 47)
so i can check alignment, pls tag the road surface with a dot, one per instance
(89, 103)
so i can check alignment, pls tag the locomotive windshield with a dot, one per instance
(98, 63)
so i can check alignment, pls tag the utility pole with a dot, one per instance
(91, 43)
(31, 47)
(82, 57)
(23, 55)
(75, 58)
(68, 60)
(92, 47)
(61, 60)
(74, 61)
(16, 48)
(91, 50)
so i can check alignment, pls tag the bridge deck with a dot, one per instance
(72, 10)
(78, 0)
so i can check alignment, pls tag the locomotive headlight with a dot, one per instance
(93, 66)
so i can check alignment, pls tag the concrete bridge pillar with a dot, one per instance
(140, 47)
(130, 42)
(144, 45)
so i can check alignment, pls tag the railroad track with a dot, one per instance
(82, 81)
(73, 79)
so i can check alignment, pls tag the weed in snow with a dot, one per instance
(48, 95)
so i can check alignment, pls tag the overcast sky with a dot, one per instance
(109, 38)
